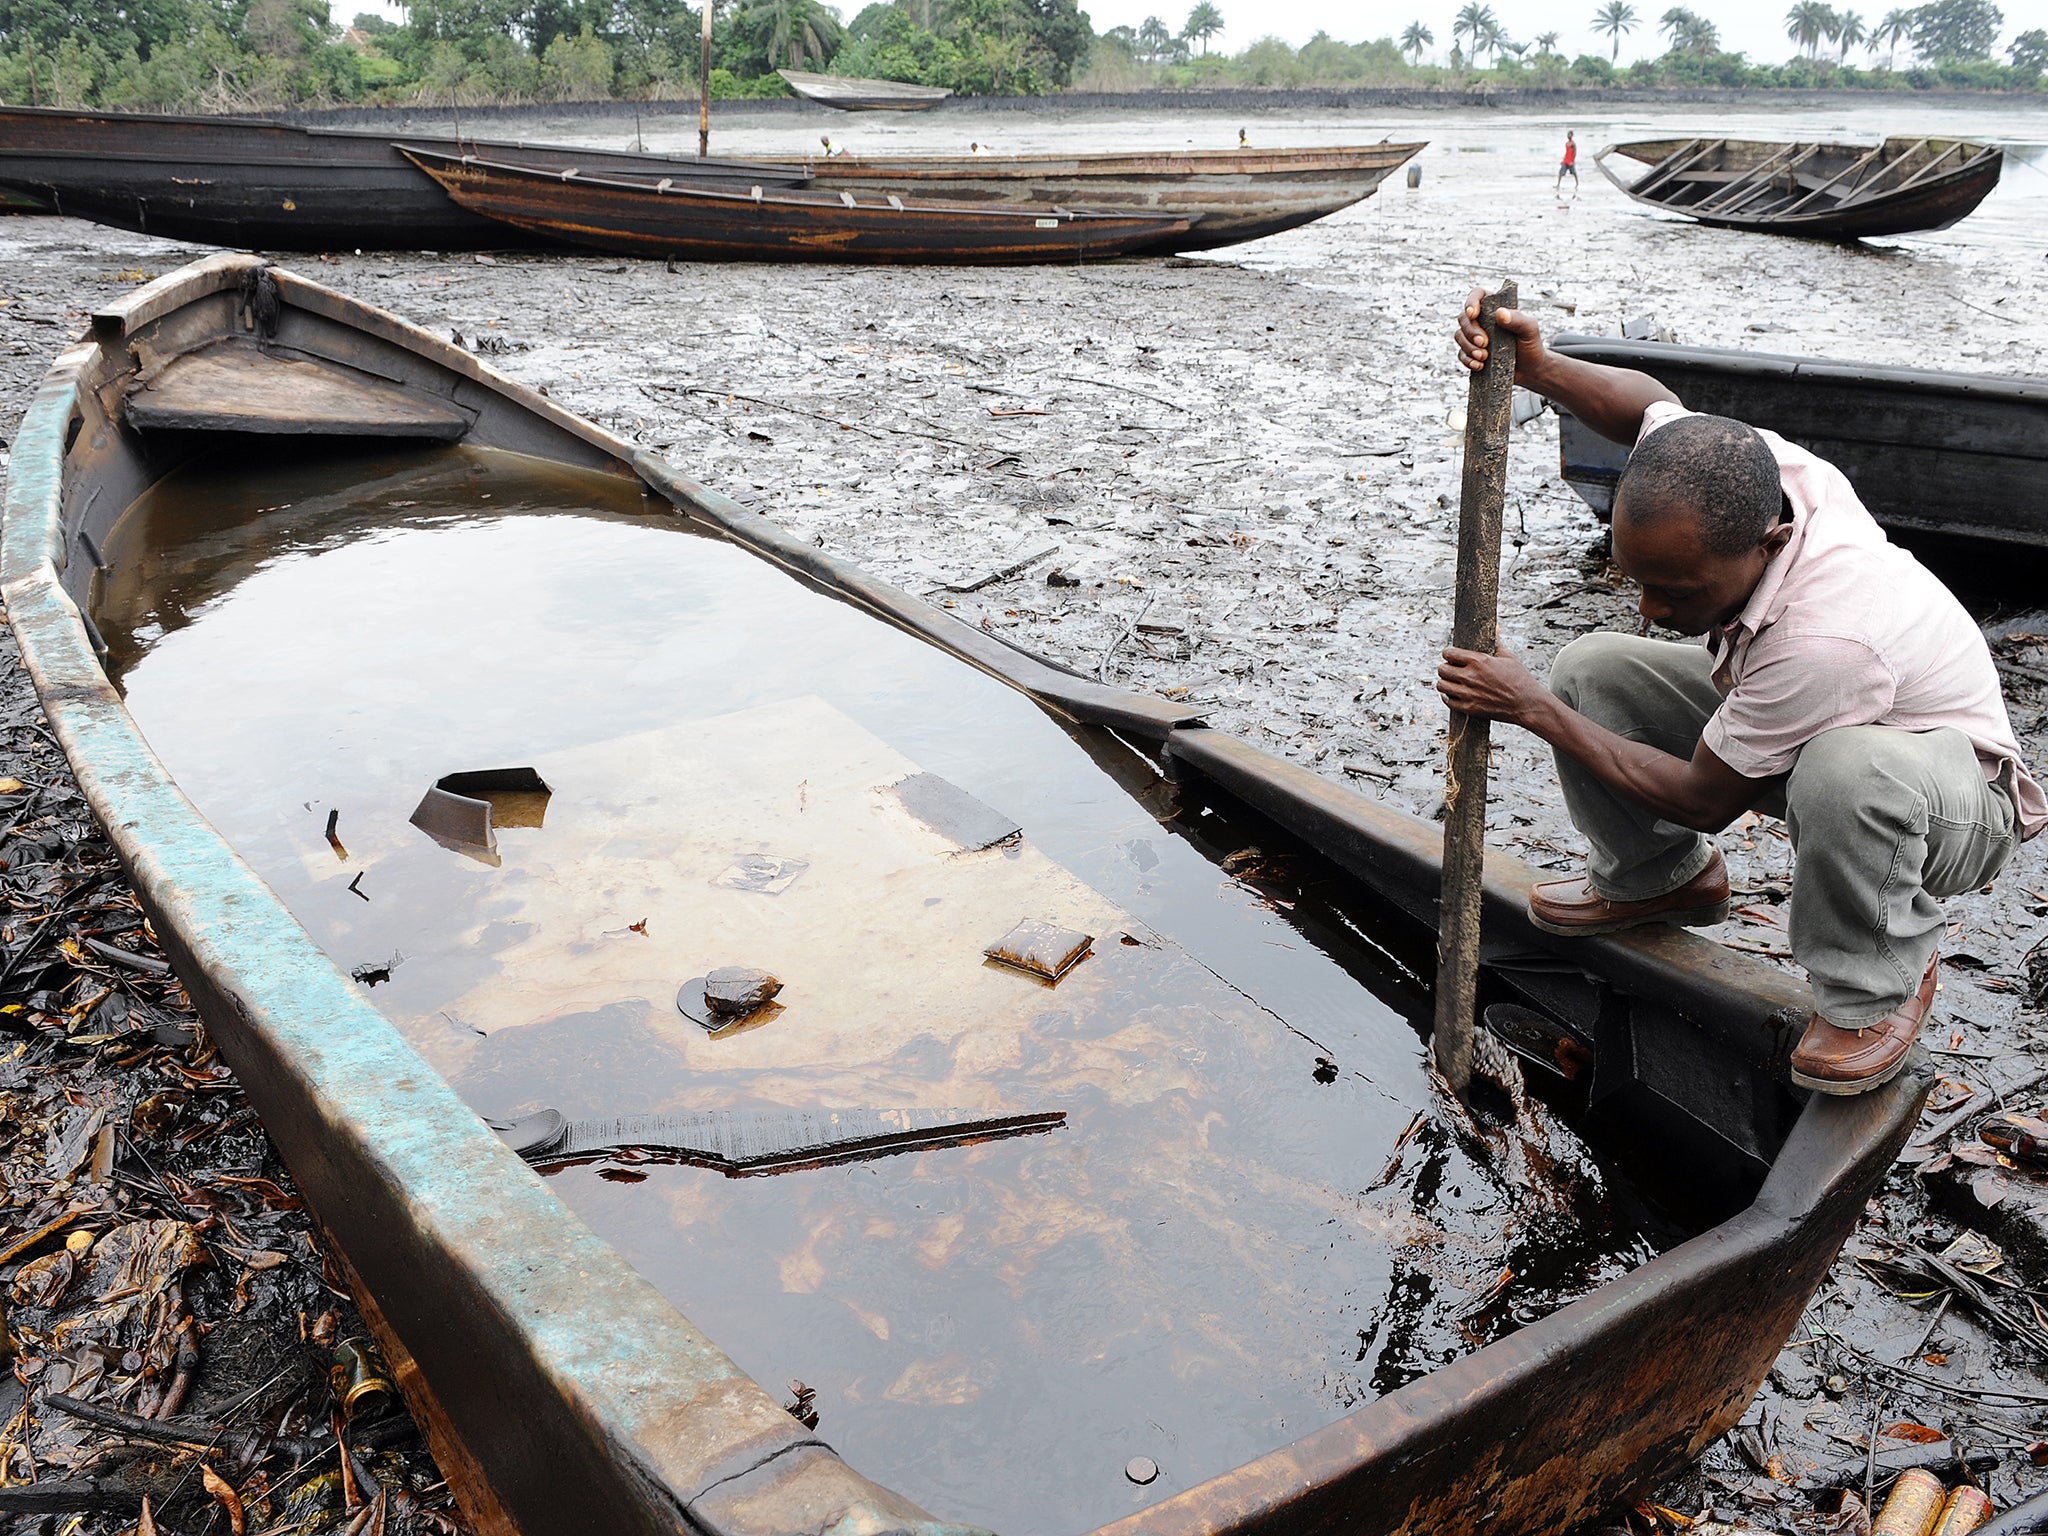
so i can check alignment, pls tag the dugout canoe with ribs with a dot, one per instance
(1819, 190)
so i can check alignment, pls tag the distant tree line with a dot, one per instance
(221, 55)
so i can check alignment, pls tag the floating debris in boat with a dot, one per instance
(739, 1141)
(376, 972)
(762, 872)
(803, 1404)
(462, 810)
(726, 996)
(953, 813)
(1044, 950)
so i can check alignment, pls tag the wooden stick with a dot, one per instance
(704, 85)
(1475, 626)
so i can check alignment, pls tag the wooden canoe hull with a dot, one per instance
(1947, 453)
(1818, 191)
(1238, 194)
(565, 1395)
(640, 218)
(848, 94)
(246, 182)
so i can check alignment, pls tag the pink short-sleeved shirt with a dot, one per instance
(1846, 628)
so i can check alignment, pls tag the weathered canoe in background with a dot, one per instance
(851, 94)
(249, 182)
(644, 216)
(563, 1394)
(1822, 191)
(1238, 194)
(1945, 453)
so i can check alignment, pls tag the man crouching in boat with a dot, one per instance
(1840, 686)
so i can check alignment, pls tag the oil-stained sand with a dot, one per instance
(1196, 1267)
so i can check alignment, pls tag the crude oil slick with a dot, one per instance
(1252, 1219)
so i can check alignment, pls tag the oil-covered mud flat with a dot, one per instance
(1251, 1220)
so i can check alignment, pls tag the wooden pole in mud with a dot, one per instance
(1475, 626)
(704, 85)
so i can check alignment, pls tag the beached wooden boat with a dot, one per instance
(1239, 194)
(275, 186)
(658, 218)
(1825, 191)
(850, 94)
(1946, 453)
(562, 1390)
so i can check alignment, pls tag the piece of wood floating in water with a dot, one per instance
(761, 1140)
(237, 386)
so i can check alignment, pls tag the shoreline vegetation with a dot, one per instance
(293, 55)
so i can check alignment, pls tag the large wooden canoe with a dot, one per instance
(250, 182)
(1824, 191)
(851, 94)
(653, 217)
(1239, 194)
(563, 1392)
(1928, 452)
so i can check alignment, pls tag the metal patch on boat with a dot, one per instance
(762, 872)
(953, 813)
(1044, 950)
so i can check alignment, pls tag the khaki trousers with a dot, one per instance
(1884, 822)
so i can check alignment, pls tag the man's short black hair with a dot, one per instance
(1718, 470)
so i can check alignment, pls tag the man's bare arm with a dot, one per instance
(1703, 793)
(1609, 400)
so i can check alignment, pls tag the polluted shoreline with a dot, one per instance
(934, 519)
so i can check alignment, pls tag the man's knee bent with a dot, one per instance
(1582, 668)
(1846, 776)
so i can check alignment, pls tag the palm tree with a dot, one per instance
(1546, 44)
(1204, 22)
(1850, 32)
(1615, 18)
(1896, 27)
(1690, 32)
(1473, 21)
(1417, 38)
(1808, 22)
(1154, 41)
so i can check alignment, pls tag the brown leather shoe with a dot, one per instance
(1573, 907)
(1840, 1061)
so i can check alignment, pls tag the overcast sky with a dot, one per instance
(1754, 27)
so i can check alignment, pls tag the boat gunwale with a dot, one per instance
(2023, 389)
(291, 1025)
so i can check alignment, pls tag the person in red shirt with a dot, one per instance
(1569, 166)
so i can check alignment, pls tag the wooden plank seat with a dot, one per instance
(239, 386)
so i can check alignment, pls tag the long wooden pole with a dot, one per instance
(1475, 626)
(704, 85)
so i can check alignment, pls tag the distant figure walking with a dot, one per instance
(1569, 166)
(1244, 140)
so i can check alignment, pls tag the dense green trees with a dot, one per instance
(215, 55)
